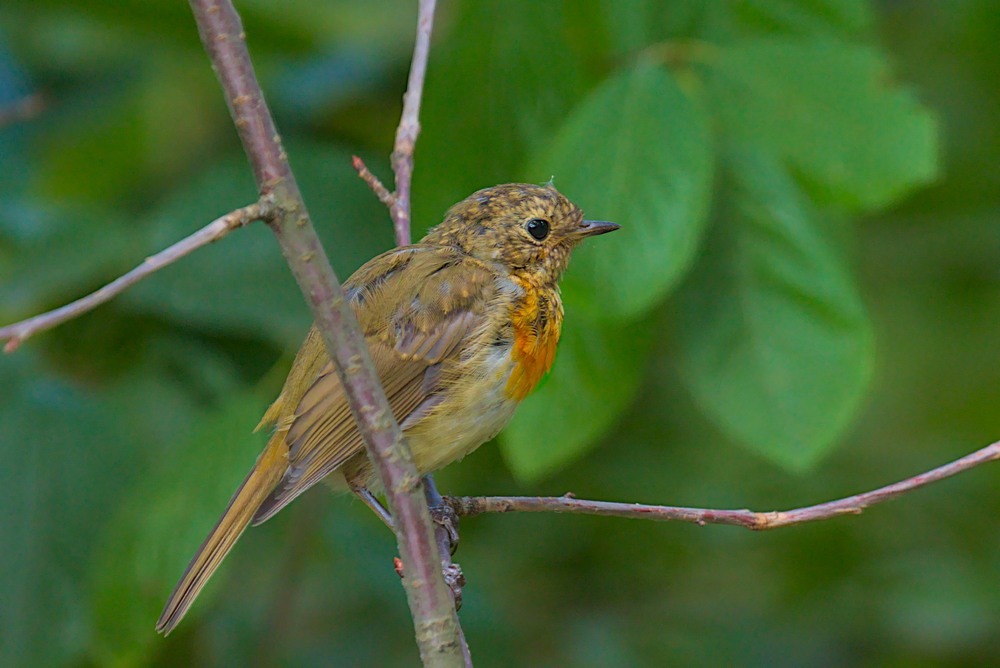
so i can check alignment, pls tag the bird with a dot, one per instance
(461, 326)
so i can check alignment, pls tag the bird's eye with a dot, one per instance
(537, 228)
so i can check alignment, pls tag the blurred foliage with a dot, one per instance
(802, 304)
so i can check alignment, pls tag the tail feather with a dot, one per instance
(251, 494)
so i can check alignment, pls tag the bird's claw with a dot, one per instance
(445, 516)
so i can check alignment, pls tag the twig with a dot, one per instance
(409, 123)
(406, 133)
(378, 188)
(18, 332)
(434, 617)
(468, 506)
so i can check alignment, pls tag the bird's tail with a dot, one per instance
(256, 487)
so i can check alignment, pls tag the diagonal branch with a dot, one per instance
(18, 332)
(381, 192)
(434, 617)
(468, 506)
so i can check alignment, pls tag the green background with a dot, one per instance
(802, 304)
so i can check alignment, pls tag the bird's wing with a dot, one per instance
(415, 310)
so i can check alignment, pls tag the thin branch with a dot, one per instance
(407, 131)
(378, 188)
(434, 617)
(409, 123)
(468, 506)
(18, 332)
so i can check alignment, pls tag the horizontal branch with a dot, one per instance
(18, 332)
(468, 506)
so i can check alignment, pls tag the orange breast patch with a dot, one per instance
(537, 322)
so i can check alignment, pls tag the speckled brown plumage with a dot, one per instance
(461, 326)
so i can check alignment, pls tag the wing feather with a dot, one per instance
(415, 318)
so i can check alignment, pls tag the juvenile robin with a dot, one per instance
(461, 325)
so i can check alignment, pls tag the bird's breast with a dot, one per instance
(515, 352)
(537, 322)
(476, 409)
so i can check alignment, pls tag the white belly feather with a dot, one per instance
(475, 414)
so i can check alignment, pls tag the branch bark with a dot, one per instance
(409, 123)
(434, 617)
(446, 534)
(468, 506)
(382, 193)
(18, 332)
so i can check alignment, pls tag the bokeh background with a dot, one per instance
(802, 304)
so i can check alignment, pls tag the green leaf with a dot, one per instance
(60, 447)
(647, 22)
(803, 17)
(161, 523)
(242, 284)
(774, 341)
(831, 110)
(637, 152)
(497, 85)
(596, 374)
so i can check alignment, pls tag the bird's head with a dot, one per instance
(529, 229)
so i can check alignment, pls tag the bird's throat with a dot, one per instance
(537, 321)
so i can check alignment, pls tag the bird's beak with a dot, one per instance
(591, 228)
